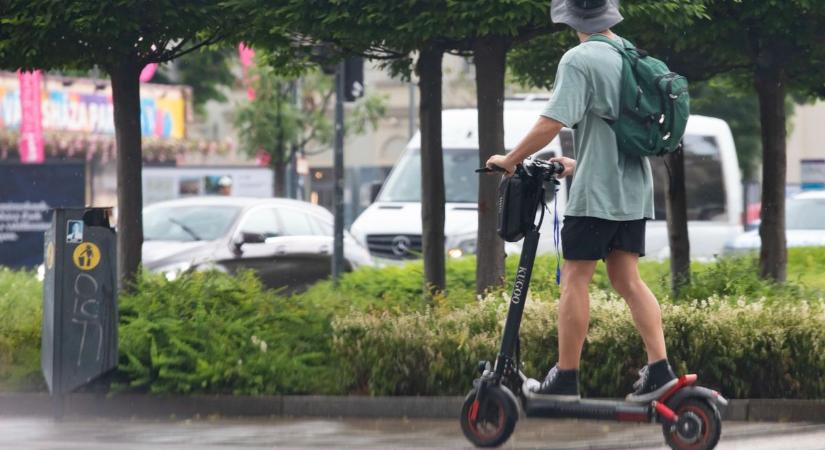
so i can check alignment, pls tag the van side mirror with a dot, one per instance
(375, 189)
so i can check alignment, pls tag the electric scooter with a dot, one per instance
(689, 414)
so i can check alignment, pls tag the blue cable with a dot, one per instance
(557, 235)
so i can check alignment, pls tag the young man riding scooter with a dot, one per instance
(610, 199)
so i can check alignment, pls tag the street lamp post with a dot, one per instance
(338, 175)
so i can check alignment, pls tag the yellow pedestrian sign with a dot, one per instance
(86, 256)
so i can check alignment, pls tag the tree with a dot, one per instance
(771, 49)
(273, 123)
(120, 37)
(304, 32)
(488, 30)
(391, 31)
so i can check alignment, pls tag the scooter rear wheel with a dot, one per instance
(489, 424)
(698, 428)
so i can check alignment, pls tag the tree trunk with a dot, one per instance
(126, 99)
(490, 61)
(432, 169)
(677, 227)
(279, 172)
(773, 256)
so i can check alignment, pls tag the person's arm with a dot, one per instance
(542, 133)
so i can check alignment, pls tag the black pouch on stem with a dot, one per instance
(519, 197)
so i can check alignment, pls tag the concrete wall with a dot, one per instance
(807, 137)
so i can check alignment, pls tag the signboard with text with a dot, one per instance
(27, 195)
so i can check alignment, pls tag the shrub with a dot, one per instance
(21, 300)
(215, 333)
(376, 333)
(744, 349)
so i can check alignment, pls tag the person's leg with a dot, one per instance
(574, 311)
(623, 271)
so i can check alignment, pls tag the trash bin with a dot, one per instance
(80, 317)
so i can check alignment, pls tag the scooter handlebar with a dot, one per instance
(495, 168)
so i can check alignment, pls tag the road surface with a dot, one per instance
(279, 433)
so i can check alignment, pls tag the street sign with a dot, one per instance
(812, 174)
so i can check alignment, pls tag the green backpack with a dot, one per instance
(655, 103)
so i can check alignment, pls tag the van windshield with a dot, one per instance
(460, 179)
(704, 181)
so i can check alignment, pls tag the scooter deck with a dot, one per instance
(589, 409)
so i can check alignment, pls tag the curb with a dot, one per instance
(447, 407)
(150, 406)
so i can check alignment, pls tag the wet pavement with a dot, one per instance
(280, 433)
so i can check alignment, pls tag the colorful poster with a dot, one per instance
(85, 105)
(31, 118)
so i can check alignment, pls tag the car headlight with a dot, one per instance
(462, 246)
(173, 271)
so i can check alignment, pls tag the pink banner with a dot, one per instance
(31, 119)
(148, 72)
(247, 56)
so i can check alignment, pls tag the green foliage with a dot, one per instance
(211, 332)
(21, 300)
(754, 349)
(534, 62)
(377, 333)
(272, 122)
(81, 34)
(294, 30)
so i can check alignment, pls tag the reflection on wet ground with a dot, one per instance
(281, 433)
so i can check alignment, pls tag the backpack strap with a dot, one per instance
(621, 47)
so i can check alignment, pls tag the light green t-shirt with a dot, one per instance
(607, 184)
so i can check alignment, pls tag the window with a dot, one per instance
(187, 223)
(805, 214)
(261, 222)
(704, 181)
(295, 223)
(460, 179)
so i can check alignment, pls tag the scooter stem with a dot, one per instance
(517, 299)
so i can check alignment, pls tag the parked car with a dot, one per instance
(804, 225)
(287, 242)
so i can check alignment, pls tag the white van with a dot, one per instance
(391, 226)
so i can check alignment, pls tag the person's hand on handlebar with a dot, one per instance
(568, 163)
(502, 161)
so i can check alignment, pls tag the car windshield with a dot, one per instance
(460, 179)
(805, 214)
(187, 223)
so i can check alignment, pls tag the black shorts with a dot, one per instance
(591, 238)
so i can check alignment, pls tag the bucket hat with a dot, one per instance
(586, 16)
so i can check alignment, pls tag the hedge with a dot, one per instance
(376, 333)
(21, 301)
(753, 349)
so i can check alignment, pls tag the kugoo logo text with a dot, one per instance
(519, 285)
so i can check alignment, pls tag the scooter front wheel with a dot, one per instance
(489, 423)
(698, 428)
